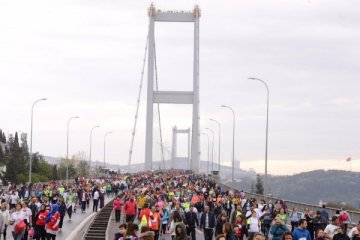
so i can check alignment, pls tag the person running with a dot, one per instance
(301, 233)
(294, 219)
(144, 218)
(140, 203)
(331, 229)
(6, 217)
(177, 219)
(278, 229)
(28, 218)
(266, 220)
(253, 225)
(130, 210)
(155, 219)
(344, 219)
(207, 223)
(52, 222)
(17, 218)
(117, 205)
(180, 232)
(164, 219)
(228, 232)
(83, 197)
(191, 222)
(341, 235)
(62, 211)
(130, 232)
(40, 217)
(70, 203)
(321, 235)
(96, 196)
(354, 233)
(282, 215)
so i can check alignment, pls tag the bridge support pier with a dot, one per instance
(173, 97)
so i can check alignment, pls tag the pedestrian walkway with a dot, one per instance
(68, 226)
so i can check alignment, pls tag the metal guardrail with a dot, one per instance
(354, 215)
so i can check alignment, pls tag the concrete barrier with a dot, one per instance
(79, 230)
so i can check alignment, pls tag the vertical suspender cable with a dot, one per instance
(138, 100)
(158, 107)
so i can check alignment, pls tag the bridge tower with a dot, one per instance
(173, 97)
(177, 162)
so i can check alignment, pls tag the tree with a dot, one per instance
(16, 157)
(2, 156)
(252, 187)
(15, 161)
(55, 172)
(259, 185)
(63, 166)
(82, 167)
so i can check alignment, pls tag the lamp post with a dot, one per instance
(105, 145)
(233, 147)
(212, 148)
(92, 129)
(208, 152)
(31, 135)
(267, 130)
(218, 123)
(67, 147)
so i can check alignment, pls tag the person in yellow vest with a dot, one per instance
(140, 202)
(155, 221)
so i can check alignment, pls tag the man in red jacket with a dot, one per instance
(130, 210)
(117, 207)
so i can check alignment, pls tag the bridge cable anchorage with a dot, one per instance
(158, 107)
(138, 100)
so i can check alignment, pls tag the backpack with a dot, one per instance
(143, 222)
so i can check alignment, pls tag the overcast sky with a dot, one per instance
(86, 57)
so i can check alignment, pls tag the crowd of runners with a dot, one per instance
(164, 205)
(177, 205)
(37, 211)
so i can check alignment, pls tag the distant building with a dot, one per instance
(252, 170)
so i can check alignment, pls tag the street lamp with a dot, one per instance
(67, 147)
(233, 150)
(267, 130)
(212, 148)
(31, 135)
(208, 152)
(90, 146)
(218, 123)
(105, 145)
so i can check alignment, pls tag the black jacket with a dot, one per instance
(211, 220)
(191, 219)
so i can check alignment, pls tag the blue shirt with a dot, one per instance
(301, 234)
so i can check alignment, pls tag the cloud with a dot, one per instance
(86, 57)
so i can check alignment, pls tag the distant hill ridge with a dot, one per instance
(334, 186)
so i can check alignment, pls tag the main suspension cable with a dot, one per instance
(138, 100)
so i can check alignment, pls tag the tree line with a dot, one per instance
(15, 155)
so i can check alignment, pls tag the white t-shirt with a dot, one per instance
(17, 216)
(27, 213)
(350, 234)
(254, 225)
(14, 199)
(96, 195)
(331, 230)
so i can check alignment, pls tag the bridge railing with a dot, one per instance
(354, 215)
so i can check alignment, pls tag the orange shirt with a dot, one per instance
(155, 221)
